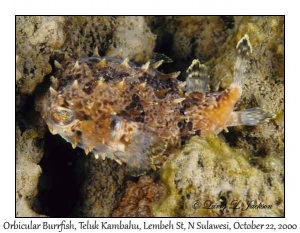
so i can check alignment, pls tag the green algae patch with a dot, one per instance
(207, 172)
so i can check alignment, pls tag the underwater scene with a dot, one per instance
(150, 116)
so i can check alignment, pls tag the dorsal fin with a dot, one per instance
(197, 78)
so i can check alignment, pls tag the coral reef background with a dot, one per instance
(246, 163)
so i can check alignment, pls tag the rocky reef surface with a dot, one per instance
(207, 174)
(246, 163)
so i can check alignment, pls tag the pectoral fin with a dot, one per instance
(142, 147)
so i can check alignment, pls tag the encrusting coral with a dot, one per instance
(207, 171)
(28, 155)
(140, 197)
(131, 37)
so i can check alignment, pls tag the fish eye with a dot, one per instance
(62, 116)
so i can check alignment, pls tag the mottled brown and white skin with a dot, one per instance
(132, 114)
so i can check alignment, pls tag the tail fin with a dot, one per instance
(251, 117)
(244, 49)
(197, 78)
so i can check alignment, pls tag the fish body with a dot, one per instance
(131, 113)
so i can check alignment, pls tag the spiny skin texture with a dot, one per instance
(131, 113)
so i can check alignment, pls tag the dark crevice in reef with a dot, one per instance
(231, 136)
(228, 21)
(26, 117)
(59, 187)
(164, 46)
